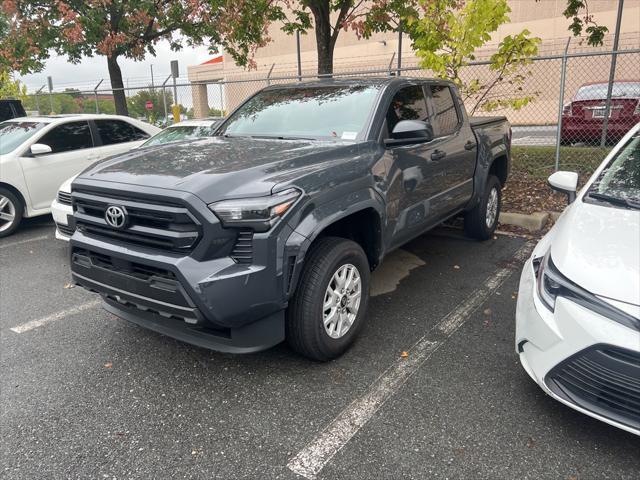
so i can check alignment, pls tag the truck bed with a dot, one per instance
(483, 121)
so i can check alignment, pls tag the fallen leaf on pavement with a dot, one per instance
(69, 285)
(404, 354)
(108, 365)
(487, 311)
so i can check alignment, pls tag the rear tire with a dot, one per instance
(11, 211)
(326, 311)
(481, 222)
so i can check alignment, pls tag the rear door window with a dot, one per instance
(118, 131)
(445, 114)
(408, 103)
(68, 136)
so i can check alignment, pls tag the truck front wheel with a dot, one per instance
(331, 300)
(481, 222)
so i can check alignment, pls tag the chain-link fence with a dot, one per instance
(573, 116)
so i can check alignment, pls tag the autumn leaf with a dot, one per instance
(404, 354)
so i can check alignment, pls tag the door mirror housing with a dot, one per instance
(410, 131)
(40, 149)
(565, 182)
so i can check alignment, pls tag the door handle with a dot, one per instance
(470, 145)
(438, 155)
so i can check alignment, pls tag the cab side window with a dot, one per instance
(445, 115)
(408, 104)
(68, 137)
(118, 131)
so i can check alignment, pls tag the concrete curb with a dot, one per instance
(533, 222)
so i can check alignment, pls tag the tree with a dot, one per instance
(448, 33)
(10, 88)
(137, 103)
(124, 28)
(363, 17)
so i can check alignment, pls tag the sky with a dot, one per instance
(87, 73)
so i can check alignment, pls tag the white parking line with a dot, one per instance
(311, 460)
(20, 242)
(25, 327)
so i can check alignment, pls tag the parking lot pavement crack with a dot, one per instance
(311, 460)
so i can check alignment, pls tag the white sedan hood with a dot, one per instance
(598, 248)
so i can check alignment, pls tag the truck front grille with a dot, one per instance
(156, 225)
(602, 379)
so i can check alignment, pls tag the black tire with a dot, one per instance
(305, 329)
(13, 205)
(475, 221)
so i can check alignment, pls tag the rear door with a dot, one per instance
(454, 151)
(71, 144)
(116, 136)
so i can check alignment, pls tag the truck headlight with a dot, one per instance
(259, 213)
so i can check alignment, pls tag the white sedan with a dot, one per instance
(578, 312)
(38, 153)
(186, 130)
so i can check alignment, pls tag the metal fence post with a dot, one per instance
(38, 98)
(221, 101)
(563, 78)
(50, 84)
(298, 55)
(393, 56)
(399, 51)
(269, 74)
(612, 73)
(164, 99)
(95, 95)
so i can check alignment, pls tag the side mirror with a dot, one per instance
(565, 182)
(40, 149)
(410, 131)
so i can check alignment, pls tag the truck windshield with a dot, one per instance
(319, 112)
(13, 134)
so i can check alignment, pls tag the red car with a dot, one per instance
(582, 118)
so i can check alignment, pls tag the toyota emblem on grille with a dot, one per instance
(115, 216)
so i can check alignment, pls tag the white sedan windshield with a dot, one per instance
(13, 134)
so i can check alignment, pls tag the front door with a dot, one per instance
(71, 151)
(413, 174)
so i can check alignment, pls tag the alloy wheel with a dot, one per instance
(342, 301)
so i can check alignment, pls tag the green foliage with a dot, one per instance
(10, 88)
(539, 161)
(447, 36)
(582, 21)
(137, 103)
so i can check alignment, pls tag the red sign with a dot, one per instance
(148, 105)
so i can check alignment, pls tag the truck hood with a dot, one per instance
(217, 168)
(596, 247)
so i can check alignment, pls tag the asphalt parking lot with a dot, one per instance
(85, 395)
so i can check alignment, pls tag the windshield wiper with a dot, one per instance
(280, 137)
(624, 202)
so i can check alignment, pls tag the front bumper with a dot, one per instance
(217, 304)
(62, 215)
(549, 344)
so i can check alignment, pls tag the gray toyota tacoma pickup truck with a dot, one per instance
(270, 230)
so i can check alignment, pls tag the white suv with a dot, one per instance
(37, 154)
